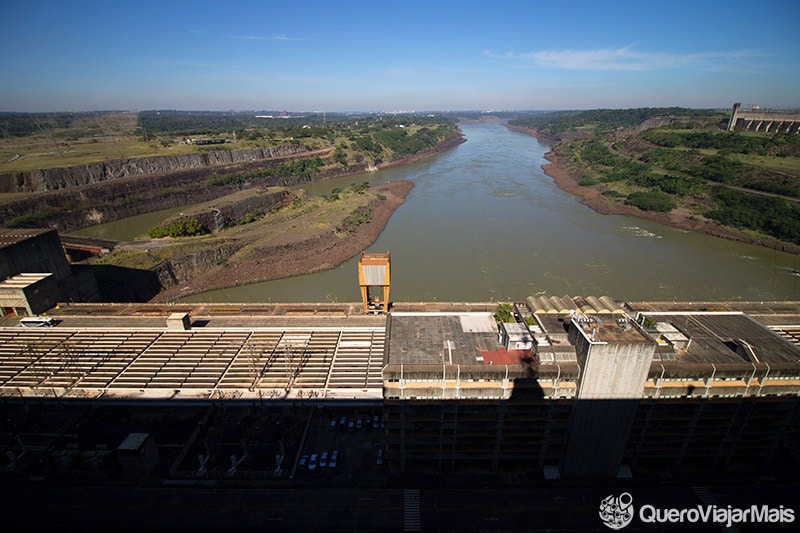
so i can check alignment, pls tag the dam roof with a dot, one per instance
(333, 351)
(10, 237)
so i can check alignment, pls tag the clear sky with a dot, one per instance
(341, 55)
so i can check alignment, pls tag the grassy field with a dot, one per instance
(789, 165)
(107, 137)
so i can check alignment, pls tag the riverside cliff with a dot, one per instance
(53, 179)
(77, 197)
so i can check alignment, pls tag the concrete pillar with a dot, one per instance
(615, 360)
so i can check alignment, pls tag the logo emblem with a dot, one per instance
(616, 512)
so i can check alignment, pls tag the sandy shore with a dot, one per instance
(677, 218)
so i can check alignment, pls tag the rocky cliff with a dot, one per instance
(80, 198)
(52, 179)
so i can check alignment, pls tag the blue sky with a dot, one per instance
(402, 55)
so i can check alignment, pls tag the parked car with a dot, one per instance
(379, 457)
(350, 425)
(312, 463)
(343, 422)
(323, 461)
(375, 422)
(332, 425)
(37, 322)
(334, 457)
(359, 423)
(303, 461)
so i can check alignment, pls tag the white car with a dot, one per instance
(312, 463)
(334, 456)
(323, 461)
(37, 322)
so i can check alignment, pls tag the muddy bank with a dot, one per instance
(680, 218)
(323, 251)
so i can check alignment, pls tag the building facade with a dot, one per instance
(607, 387)
(35, 273)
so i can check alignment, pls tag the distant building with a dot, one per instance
(35, 273)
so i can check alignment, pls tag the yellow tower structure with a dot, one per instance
(374, 271)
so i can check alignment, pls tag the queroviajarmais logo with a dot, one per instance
(616, 512)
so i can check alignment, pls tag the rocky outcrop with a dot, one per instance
(181, 269)
(71, 207)
(237, 211)
(193, 274)
(74, 208)
(53, 179)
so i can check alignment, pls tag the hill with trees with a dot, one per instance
(674, 159)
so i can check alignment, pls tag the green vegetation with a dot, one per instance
(299, 167)
(651, 201)
(361, 215)
(686, 160)
(32, 220)
(772, 216)
(37, 140)
(180, 228)
(601, 121)
(781, 145)
(646, 322)
(504, 313)
(22, 124)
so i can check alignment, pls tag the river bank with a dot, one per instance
(301, 253)
(680, 217)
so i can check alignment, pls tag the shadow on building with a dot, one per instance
(35, 273)
(125, 285)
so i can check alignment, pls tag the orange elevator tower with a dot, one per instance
(374, 271)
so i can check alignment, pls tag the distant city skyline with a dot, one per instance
(345, 56)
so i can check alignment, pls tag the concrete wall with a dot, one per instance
(608, 395)
(42, 253)
(35, 253)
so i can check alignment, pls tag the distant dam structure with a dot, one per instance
(763, 120)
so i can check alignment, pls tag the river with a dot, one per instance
(485, 223)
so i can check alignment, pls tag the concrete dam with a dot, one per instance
(766, 121)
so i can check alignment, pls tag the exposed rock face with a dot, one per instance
(72, 208)
(52, 179)
(210, 270)
(81, 197)
(181, 269)
(236, 211)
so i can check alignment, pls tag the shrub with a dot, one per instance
(651, 201)
(189, 227)
(504, 313)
